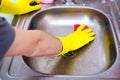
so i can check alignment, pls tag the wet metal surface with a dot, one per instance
(94, 58)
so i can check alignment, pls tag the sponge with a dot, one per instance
(78, 25)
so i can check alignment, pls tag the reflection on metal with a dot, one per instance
(94, 58)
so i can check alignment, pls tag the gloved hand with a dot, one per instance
(18, 7)
(77, 39)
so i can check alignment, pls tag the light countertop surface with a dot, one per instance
(9, 17)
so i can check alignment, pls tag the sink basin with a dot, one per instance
(94, 58)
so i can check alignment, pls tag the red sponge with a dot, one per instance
(78, 25)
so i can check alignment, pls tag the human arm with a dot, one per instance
(29, 43)
(34, 43)
(38, 43)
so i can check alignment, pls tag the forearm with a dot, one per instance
(34, 43)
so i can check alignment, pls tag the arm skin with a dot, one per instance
(33, 43)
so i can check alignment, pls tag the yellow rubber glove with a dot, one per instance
(18, 7)
(76, 39)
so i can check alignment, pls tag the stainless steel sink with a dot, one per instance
(94, 58)
(99, 60)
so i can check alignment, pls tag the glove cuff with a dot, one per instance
(64, 46)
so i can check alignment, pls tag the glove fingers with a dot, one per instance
(87, 41)
(36, 7)
(91, 39)
(80, 28)
(90, 34)
(87, 31)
